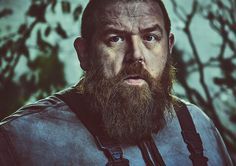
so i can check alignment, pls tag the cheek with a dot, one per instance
(110, 60)
(157, 64)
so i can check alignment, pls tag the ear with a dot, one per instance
(80, 45)
(171, 41)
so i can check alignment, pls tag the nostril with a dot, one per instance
(140, 60)
(131, 60)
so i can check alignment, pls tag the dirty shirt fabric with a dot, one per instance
(48, 132)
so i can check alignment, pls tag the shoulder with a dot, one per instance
(50, 107)
(200, 118)
(37, 119)
(203, 124)
(19, 130)
(49, 127)
(213, 144)
(44, 117)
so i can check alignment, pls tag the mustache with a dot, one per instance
(134, 70)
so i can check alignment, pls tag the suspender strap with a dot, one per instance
(155, 152)
(145, 154)
(110, 148)
(112, 151)
(190, 135)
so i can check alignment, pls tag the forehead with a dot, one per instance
(130, 15)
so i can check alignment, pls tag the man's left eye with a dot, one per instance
(151, 38)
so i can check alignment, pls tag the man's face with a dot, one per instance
(124, 81)
(130, 32)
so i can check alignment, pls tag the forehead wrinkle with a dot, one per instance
(125, 23)
(125, 16)
(130, 9)
(116, 28)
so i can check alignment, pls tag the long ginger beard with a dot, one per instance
(129, 113)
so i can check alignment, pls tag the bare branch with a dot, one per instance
(177, 12)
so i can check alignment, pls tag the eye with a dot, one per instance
(151, 38)
(116, 39)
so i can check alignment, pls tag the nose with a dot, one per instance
(135, 50)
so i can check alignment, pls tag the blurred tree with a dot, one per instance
(45, 72)
(221, 16)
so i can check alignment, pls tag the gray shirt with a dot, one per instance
(48, 132)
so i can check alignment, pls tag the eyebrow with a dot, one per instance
(155, 27)
(112, 30)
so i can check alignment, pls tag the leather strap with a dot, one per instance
(150, 152)
(155, 152)
(145, 154)
(112, 151)
(190, 135)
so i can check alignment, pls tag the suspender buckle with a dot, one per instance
(112, 151)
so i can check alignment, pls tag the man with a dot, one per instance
(122, 111)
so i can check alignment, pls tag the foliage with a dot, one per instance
(222, 19)
(45, 72)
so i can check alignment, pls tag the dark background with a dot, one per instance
(37, 56)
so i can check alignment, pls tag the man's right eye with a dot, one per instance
(116, 39)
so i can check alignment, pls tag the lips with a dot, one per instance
(134, 77)
(134, 80)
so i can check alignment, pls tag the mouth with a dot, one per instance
(134, 80)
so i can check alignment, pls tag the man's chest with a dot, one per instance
(76, 146)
